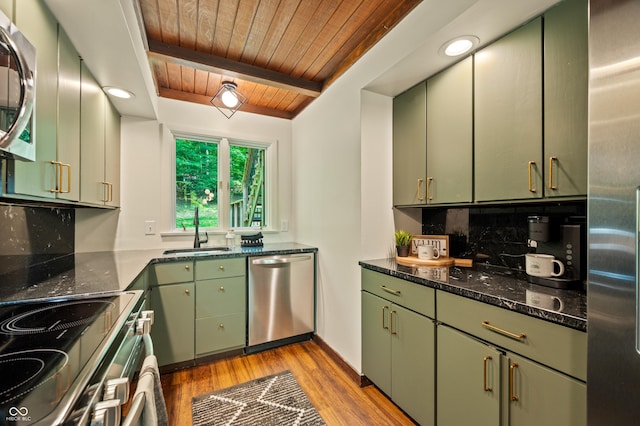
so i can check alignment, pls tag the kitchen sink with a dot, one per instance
(201, 251)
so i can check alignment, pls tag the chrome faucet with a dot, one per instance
(197, 241)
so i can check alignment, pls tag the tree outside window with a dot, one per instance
(202, 165)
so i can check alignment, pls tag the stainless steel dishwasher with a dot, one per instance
(281, 299)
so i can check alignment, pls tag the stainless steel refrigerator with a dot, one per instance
(613, 379)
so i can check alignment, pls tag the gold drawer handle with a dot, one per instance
(512, 394)
(520, 336)
(221, 267)
(187, 291)
(484, 369)
(551, 160)
(221, 325)
(186, 267)
(221, 288)
(390, 290)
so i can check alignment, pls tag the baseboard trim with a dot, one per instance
(359, 379)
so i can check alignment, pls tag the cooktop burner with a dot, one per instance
(44, 347)
(53, 318)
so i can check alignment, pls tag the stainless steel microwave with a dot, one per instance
(17, 93)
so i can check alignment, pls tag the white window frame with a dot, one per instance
(224, 180)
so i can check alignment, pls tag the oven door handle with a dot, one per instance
(135, 411)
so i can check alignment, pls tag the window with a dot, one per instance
(226, 179)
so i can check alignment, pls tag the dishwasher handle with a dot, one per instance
(279, 260)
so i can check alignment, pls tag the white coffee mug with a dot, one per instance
(427, 252)
(544, 301)
(542, 265)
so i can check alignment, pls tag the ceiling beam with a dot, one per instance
(216, 64)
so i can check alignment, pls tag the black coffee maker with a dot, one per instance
(564, 238)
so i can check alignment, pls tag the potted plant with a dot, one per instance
(403, 240)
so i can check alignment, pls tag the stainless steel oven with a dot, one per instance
(70, 361)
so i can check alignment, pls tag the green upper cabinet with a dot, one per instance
(450, 135)
(100, 143)
(68, 125)
(508, 116)
(566, 82)
(38, 178)
(409, 146)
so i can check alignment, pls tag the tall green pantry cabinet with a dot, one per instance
(398, 337)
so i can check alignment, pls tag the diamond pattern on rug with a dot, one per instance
(271, 400)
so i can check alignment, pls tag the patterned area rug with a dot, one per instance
(272, 400)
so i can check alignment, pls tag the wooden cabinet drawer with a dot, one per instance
(556, 346)
(220, 297)
(174, 272)
(405, 293)
(220, 333)
(220, 268)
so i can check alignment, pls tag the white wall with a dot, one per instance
(342, 174)
(147, 153)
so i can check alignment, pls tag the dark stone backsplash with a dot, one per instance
(495, 236)
(34, 235)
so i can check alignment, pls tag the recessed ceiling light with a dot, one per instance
(118, 92)
(459, 45)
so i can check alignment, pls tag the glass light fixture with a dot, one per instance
(459, 45)
(118, 92)
(228, 100)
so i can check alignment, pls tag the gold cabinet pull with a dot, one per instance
(187, 291)
(109, 188)
(512, 393)
(390, 290)
(391, 322)
(551, 161)
(221, 288)
(429, 197)
(221, 325)
(384, 327)
(531, 187)
(484, 372)
(419, 185)
(187, 267)
(59, 166)
(488, 326)
(221, 267)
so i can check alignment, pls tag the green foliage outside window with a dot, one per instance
(197, 184)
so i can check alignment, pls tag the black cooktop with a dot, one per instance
(43, 348)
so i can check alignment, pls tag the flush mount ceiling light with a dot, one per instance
(228, 100)
(118, 92)
(459, 45)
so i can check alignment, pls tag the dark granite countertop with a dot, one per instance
(100, 273)
(496, 289)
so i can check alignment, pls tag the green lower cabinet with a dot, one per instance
(468, 378)
(544, 396)
(481, 385)
(398, 355)
(220, 315)
(172, 331)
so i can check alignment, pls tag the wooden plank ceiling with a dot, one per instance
(281, 53)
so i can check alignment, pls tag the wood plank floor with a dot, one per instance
(336, 396)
